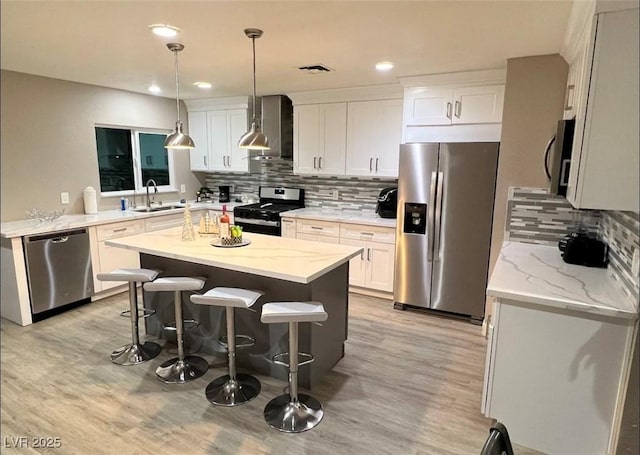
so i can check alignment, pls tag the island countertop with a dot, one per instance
(300, 261)
(537, 275)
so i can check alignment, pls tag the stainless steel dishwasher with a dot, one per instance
(58, 269)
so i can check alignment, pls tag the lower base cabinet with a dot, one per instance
(556, 377)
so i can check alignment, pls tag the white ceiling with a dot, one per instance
(107, 43)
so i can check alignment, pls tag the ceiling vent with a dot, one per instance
(315, 69)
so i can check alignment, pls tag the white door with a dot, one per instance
(428, 106)
(306, 138)
(198, 132)
(218, 139)
(380, 259)
(478, 104)
(333, 139)
(358, 264)
(237, 157)
(389, 137)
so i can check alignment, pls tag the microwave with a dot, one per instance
(557, 157)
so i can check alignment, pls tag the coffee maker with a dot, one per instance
(225, 194)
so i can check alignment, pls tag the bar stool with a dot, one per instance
(293, 412)
(181, 369)
(234, 388)
(133, 353)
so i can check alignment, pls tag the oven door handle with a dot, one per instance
(237, 219)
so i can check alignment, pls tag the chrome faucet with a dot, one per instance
(155, 187)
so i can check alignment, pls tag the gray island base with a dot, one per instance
(323, 340)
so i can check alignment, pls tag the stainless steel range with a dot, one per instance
(264, 217)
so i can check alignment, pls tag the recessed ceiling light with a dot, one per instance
(202, 84)
(164, 30)
(154, 89)
(384, 66)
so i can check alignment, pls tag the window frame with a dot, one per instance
(137, 161)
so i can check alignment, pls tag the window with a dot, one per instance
(129, 158)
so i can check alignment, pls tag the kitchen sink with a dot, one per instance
(158, 208)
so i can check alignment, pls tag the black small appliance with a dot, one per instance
(557, 157)
(204, 194)
(583, 249)
(225, 193)
(387, 202)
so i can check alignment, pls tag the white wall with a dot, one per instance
(48, 140)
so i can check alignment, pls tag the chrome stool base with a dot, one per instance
(293, 416)
(133, 354)
(176, 371)
(223, 391)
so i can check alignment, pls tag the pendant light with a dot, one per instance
(254, 139)
(178, 139)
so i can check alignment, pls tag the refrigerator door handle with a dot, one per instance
(430, 215)
(438, 218)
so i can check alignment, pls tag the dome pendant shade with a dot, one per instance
(254, 139)
(178, 140)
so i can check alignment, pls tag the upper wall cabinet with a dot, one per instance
(455, 107)
(604, 172)
(374, 133)
(354, 131)
(216, 126)
(319, 138)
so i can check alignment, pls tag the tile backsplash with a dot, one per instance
(535, 216)
(354, 193)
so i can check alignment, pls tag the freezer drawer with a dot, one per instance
(58, 269)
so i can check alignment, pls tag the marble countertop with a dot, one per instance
(20, 228)
(536, 274)
(300, 261)
(342, 216)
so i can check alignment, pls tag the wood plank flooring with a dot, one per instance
(410, 383)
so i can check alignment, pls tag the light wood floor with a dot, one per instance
(409, 384)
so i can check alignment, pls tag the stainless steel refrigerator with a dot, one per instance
(443, 233)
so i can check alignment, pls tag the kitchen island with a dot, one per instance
(283, 269)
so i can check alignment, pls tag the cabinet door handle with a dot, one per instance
(569, 101)
(205, 161)
(315, 162)
(370, 164)
(316, 227)
(368, 254)
(448, 110)
(320, 163)
(229, 160)
(457, 109)
(120, 230)
(366, 233)
(377, 164)
(362, 255)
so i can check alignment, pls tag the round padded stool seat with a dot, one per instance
(293, 412)
(135, 352)
(232, 389)
(183, 368)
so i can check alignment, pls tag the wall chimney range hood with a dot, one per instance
(277, 125)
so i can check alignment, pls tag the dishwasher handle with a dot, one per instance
(55, 237)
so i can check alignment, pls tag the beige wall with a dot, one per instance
(48, 141)
(533, 104)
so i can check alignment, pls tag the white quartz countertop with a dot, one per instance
(300, 261)
(20, 228)
(536, 274)
(342, 216)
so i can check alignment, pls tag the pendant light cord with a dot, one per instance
(175, 52)
(253, 40)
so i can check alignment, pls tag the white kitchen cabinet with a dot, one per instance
(319, 138)
(374, 133)
(308, 228)
(429, 106)
(374, 268)
(318, 238)
(288, 228)
(604, 172)
(556, 377)
(216, 126)
(199, 156)
(110, 258)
